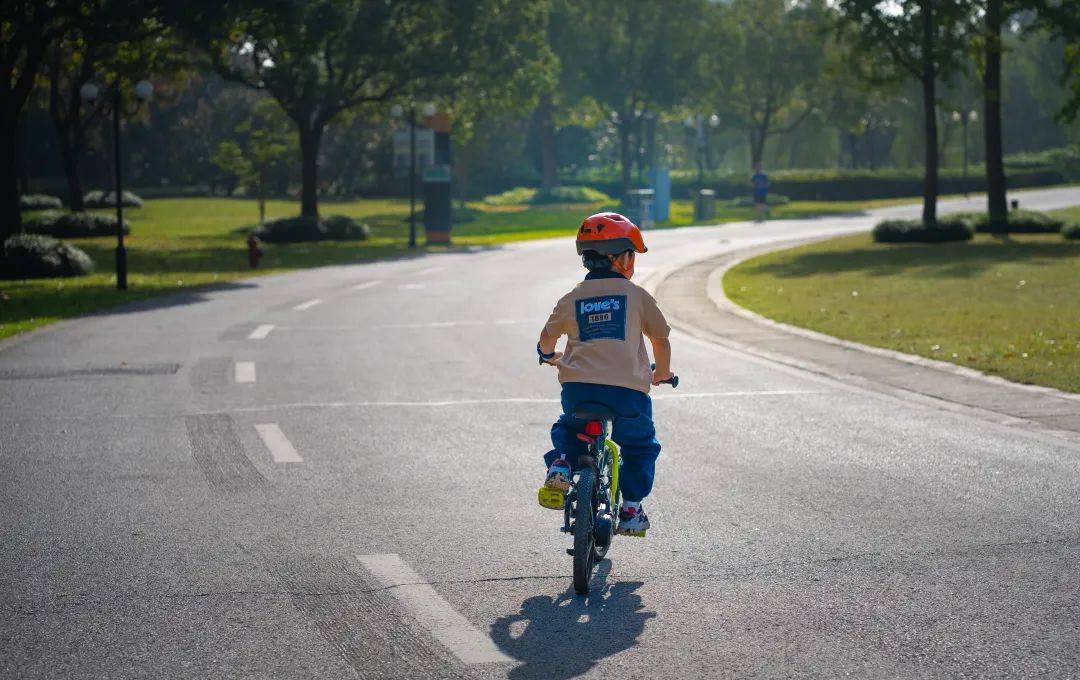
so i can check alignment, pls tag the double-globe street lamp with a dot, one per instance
(144, 90)
(398, 111)
(965, 117)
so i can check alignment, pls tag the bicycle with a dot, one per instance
(595, 480)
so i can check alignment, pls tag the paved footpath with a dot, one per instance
(331, 473)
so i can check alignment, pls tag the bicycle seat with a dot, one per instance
(591, 410)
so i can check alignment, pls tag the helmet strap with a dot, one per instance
(626, 270)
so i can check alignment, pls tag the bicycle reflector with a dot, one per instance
(593, 428)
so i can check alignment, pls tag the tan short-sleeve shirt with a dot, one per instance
(605, 320)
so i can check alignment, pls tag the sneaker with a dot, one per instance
(632, 522)
(552, 494)
(558, 475)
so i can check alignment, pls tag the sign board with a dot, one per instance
(439, 173)
(425, 148)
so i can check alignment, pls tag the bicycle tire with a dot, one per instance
(584, 542)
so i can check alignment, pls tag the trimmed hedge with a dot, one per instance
(39, 202)
(302, 229)
(1021, 222)
(73, 225)
(107, 199)
(32, 256)
(830, 185)
(952, 228)
(748, 201)
(565, 194)
(1071, 231)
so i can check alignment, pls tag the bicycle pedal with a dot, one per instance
(553, 499)
(570, 552)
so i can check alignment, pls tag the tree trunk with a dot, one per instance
(310, 138)
(995, 166)
(545, 129)
(928, 77)
(757, 146)
(10, 217)
(624, 153)
(70, 159)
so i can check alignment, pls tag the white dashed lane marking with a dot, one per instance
(411, 286)
(281, 449)
(307, 305)
(261, 332)
(428, 270)
(244, 371)
(433, 612)
(365, 285)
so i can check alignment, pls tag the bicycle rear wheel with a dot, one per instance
(584, 541)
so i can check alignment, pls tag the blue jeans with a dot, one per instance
(632, 430)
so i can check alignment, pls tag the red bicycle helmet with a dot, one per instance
(609, 233)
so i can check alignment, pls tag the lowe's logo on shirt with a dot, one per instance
(602, 318)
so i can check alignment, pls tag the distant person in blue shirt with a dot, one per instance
(760, 183)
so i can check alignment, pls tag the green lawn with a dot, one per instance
(1007, 308)
(177, 244)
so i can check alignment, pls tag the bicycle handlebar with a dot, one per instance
(673, 380)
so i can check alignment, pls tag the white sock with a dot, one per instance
(635, 505)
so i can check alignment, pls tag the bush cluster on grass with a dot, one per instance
(567, 194)
(829, 184)
(73, 225)
(32, 256)
(39, 202)
(1021, 222)
(770, 200)
(952, 228)
(107, 199)
(302, 229)
(1071, 231)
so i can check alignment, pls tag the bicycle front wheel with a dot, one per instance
(584, 541)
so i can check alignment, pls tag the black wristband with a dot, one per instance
(543, 356)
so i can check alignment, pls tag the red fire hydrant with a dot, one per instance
(254, 251)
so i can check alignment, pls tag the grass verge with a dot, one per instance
(1008, 308)
(179, 244)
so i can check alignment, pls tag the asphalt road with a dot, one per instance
(187, 493)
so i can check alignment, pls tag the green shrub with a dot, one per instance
(39, 202)
(301, 229)
(32, 256)
(566, 194)
(748, 201)
(952, 228)
(107, 199)
(1071, 231)
(73, 225)
(1021, 222)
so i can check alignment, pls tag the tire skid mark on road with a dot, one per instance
(360, 621)
(433, 612)
(209, 374)
(218, 452)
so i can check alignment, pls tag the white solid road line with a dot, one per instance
(366, 284)
(307, 305)
(503, 400)
(261, 332)
(281, 449)
(432, 611)
(244, 371)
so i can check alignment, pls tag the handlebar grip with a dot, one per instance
(673, 380)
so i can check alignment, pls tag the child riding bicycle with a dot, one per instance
(606, 319)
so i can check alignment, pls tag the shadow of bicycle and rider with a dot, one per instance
(566, 635)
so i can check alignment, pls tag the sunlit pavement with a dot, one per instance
(332, 473)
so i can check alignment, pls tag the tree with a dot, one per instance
(910, 38)
(29, 29)
(630, 58)
(270, 141)
(323, 57)
(767, 57)
(232, 167)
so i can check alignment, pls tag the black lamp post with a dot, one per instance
(397, 111)
(144, 90)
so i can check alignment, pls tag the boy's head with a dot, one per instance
(609, 241)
